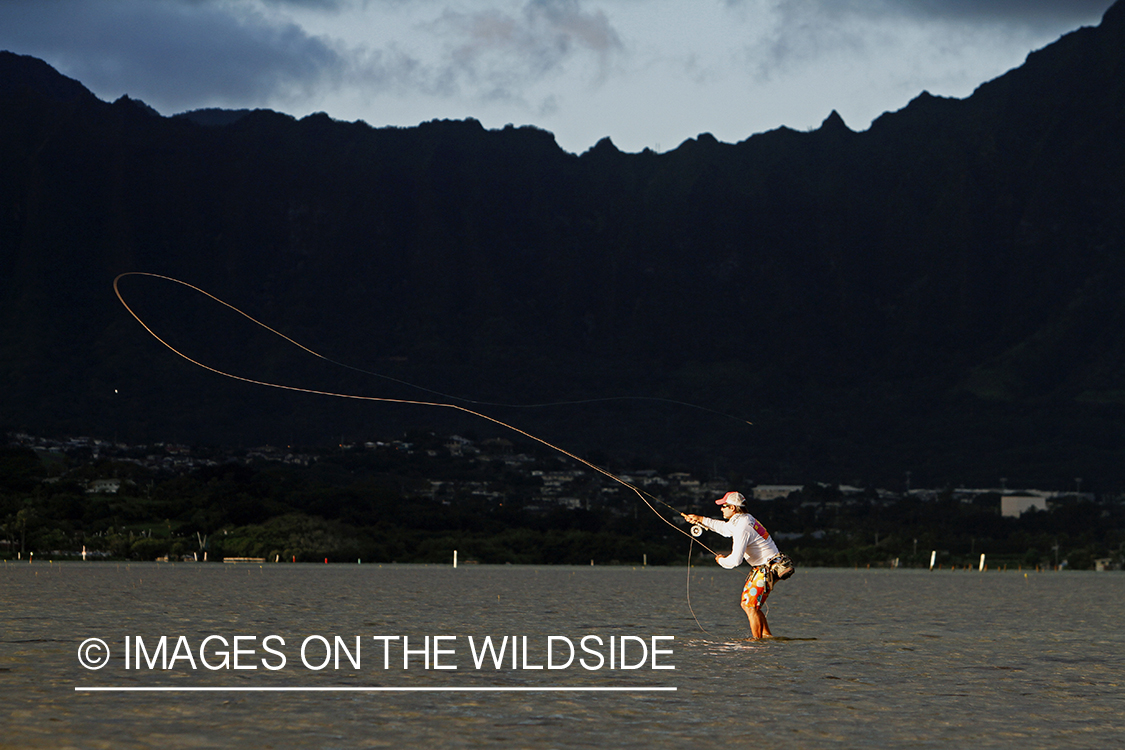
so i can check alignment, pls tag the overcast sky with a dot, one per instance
(646, 73)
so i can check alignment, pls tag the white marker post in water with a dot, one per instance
(933, 557)
(454, 558)
(981, 569)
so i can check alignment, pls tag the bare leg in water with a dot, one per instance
(759, 628)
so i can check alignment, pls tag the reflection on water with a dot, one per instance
(897, 658)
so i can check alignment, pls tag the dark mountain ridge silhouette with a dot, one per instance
(941, 293)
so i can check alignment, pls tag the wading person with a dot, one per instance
(752, 543)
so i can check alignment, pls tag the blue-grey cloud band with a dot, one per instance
(179, 54)
(186, 54)
(1029, 13)
(173, 54)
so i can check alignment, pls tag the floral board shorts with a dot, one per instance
(757, 588)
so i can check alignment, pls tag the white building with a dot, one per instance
(1016, 505)
(775, 491)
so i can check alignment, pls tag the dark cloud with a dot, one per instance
(172, 54)
(184, 54)
(1030, 12)
(1036, 14)
(322, 4)
(807, 30)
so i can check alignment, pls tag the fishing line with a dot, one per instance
(691, 545)
(380, 399)
(424, 389)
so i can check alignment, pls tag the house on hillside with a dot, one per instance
(103, 487)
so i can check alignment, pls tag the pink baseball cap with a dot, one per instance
(732, 498)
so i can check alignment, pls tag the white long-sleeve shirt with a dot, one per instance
(751, 541)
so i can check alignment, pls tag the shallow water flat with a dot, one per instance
(894, 658)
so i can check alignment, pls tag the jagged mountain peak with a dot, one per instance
(25, 73)
(869, 301)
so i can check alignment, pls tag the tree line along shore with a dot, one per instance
(417, 499)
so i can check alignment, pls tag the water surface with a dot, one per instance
(897, 658)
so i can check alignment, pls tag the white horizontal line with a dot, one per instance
(79, 688)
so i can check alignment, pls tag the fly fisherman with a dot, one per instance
(751, 542)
